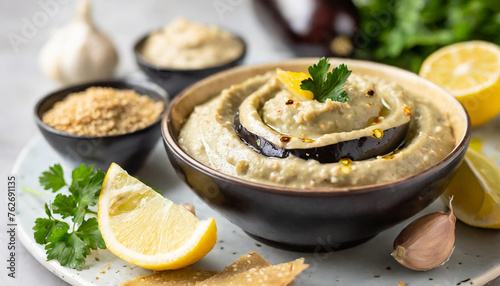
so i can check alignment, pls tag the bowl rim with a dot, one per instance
(142, 61)
(102, 83)
(172, 143)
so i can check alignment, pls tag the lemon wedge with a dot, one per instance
(476, 191)
(144, 228)
(471, 72)
(293, 80)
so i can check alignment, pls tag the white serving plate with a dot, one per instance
(476, 257)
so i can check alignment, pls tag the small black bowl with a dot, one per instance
(175, 80)
(129, 150)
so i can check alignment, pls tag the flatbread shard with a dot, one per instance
(244, 263)
(180, 277)
(269, 275)
(249, 270)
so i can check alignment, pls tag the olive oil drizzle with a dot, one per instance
(383, 114)
(286, 137)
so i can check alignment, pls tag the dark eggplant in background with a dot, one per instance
(312, 28)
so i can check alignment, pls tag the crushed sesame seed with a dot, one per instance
(101, 111)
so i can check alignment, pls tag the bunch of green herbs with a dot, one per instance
(404, 32)
(70, 244)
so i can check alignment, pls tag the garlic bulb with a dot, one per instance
(427, 242)
(79, 52)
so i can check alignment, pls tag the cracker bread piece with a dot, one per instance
(241, 272)
(179, 277)
(248, 270)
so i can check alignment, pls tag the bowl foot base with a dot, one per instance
(310, 248)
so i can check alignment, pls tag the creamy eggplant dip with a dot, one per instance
(262, 131)
(186, 45)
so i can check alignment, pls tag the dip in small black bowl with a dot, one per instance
(200, 51)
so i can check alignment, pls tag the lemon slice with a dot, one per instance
(293, 80)
(146, 229)
(476, 191)
(471, 72)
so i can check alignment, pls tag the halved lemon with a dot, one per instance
(476, 191)
(471, 72)
(293, 80)
(144, 228)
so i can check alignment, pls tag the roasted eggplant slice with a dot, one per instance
(381, 143)
(257, 143)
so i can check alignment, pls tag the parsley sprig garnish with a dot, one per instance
(327, 85)
(70, 245)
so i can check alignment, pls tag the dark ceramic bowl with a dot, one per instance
(314, 219)
(129, 150)
(175, 80)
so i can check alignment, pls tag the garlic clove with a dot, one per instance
(188, 207)
(427, 242)
(79, 52)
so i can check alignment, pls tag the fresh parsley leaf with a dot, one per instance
(64, 205)
(89, 194)
(327, 85)
(68, 206)
(79, 215)
(70, 247)
(86, 191)
(335, 81)
(58, 234)
(89, 233)
(81, 175)
(53, 178)
(44, 227)
(47, 210)
(318, 74)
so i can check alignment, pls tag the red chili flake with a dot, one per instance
(285, 139)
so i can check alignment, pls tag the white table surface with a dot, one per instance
(22, 83)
